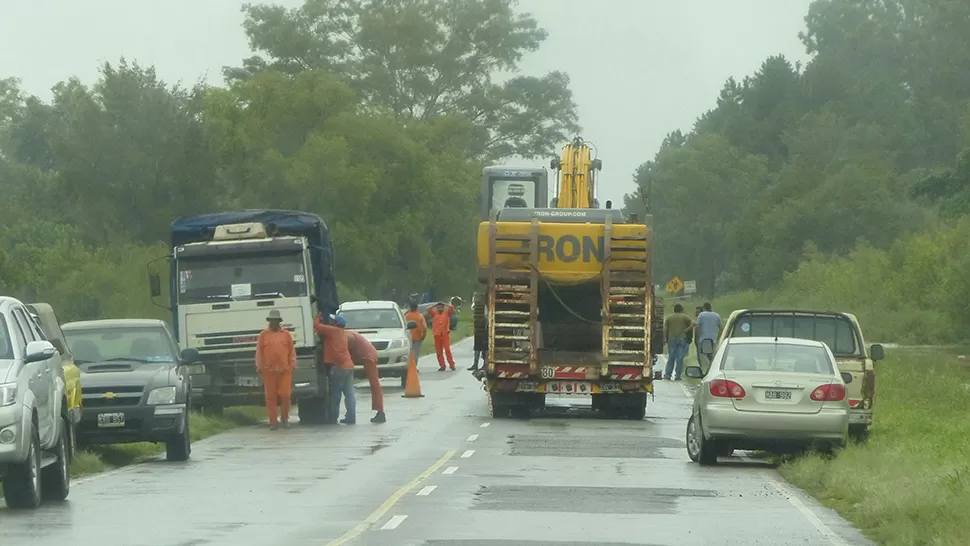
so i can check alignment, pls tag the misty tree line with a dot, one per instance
(843, 183)
(377, 115)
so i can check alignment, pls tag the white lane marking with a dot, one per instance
(828, 533)
(450, 470)
(468, 454)
(687, 390)
(426, 490)
(485, 425)
(393, 523)
(473, 437)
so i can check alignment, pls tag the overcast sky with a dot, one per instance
(639, 68)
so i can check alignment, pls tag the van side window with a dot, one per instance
(18, 331)
(24, 323)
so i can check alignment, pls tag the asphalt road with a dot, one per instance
(440, 472)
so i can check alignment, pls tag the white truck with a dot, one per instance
(227, 271)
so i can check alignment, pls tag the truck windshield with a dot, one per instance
(833, 330)
(145, 345)
(370, 319)
(517, 193)
(205, 279)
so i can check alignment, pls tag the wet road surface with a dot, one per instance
(440, 472)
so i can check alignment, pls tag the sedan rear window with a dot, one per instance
(776, 357)
(833, 330)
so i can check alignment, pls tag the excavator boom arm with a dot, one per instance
(576, 173)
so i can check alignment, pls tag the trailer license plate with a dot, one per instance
(111, 420)
(247, 381)
(527, 386)
(570, 387)
(777, 395)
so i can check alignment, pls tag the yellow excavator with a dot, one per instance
(567, 305)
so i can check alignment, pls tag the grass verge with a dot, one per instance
(103, 458)
(910, 483)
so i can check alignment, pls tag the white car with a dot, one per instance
(383, 324)
(769, 394)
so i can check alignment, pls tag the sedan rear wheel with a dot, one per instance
(699, 449)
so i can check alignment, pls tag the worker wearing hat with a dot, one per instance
(275, 362)
(337, 353)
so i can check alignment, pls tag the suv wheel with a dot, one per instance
(180, 447)
(56, 478)
(21, 486)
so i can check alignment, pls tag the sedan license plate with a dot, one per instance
(247, 381)
(569, 387)
(111, 420)
(777, 395)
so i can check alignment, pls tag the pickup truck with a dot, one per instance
(840, 331)
(34, 423)
(136, 387)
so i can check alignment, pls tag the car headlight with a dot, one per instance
(398, 344)
(195, 369)
(8, 394)
(162, 395)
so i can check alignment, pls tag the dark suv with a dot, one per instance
(134, 383)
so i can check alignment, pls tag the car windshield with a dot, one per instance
(146, 345)
(833, 330)
(368, 319)
(6, 348)
(207, 279)
(776, 357)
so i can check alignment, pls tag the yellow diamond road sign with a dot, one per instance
(675, 285)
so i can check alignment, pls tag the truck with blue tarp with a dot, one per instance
(228, 270)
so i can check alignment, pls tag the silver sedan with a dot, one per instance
(780, 395)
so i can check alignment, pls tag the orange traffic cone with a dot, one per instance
(412, 388)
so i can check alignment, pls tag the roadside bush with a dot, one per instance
(915, 292)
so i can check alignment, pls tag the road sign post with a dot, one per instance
(675, 286)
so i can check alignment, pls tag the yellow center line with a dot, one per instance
(390, 502)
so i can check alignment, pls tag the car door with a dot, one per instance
(42, 378)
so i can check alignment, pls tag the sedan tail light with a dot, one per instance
(832, 392)
(723, 388)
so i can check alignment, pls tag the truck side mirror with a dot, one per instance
(694, 372)
(190, 356)
(707, 346)
(846, 377)
(876, 352)
(412, 325)
(155, 284)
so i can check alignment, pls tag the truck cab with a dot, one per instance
(227, 272)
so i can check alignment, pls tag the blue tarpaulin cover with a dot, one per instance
(194, 229)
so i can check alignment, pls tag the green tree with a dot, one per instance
(420, 59)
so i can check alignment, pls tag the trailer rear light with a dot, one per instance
(832, 392)
(722, 388)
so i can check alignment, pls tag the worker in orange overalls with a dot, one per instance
(441, 330)
(364, 353)
(417, 334)
(337, 353)
(275, 362)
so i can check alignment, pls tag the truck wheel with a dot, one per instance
(21, 485)
(859, 433)
(312, 411)
(213, 405)
(179, 448)
(56, 478)
(500, 411)
(638, 410)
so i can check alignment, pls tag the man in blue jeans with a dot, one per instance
(675, 328)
